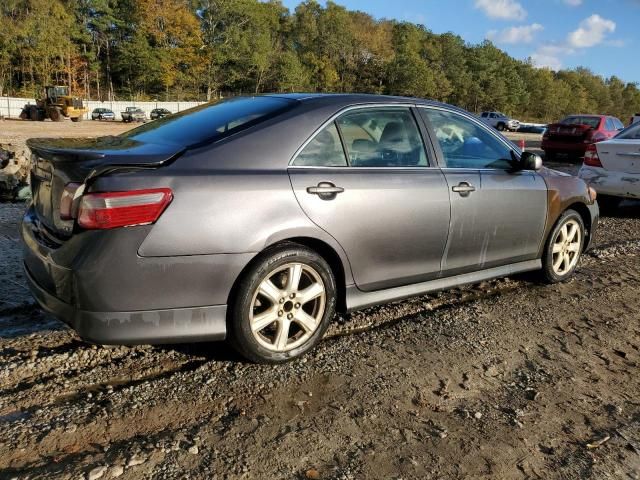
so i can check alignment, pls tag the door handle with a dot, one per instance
(325, 190)
(464, 189)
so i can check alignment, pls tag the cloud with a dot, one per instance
(550, 56)
(502, 9)
(573, 3)
(591, 32)
(523, 34)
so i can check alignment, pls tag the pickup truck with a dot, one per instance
(133, 114)
(500, 121)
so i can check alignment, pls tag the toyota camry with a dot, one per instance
(255, 219)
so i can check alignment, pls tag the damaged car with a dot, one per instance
(256, 219)
(613, 167)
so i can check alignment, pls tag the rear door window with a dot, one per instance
(382, 137)
(609, 125)
(324, 150)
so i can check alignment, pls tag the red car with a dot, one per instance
(575, 133)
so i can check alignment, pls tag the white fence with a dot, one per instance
(10, 107)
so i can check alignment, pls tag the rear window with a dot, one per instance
(210, 122)
(630, 133)
(592, 122)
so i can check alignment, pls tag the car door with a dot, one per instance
(498, 213)
(367, 179)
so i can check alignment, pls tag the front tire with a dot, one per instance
(501, 127)
(563, 248)
(283, 305)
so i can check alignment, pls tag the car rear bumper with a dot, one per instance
(564, 147)
(97, 283)
(607, 182)
(177, 325)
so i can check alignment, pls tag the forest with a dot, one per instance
(205, 49)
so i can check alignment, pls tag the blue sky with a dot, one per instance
(603, 35)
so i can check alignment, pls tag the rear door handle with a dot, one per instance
(464, 189)
(325, 190)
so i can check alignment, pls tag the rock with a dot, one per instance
(312, 473)
(491, 371)
(193, 450)
(116, 471)
(97, 472)
(477, 415)
(136, 460)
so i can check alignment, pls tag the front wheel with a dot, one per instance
(283, 305)
(501, 127)
(563, 248)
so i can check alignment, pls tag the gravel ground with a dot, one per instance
(17, 131)
(505, 379)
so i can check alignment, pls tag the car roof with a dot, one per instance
(587, 115)
(347, 99)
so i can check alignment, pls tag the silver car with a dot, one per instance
(255, 219)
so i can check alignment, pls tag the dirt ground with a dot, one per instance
(506, 379)
(17, 131)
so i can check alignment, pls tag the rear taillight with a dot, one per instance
(123, 209)
(591, 157)
(67, 200)
(595, 136)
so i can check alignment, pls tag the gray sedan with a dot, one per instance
(255, 219)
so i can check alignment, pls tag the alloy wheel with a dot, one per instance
(566, 247)
(287, 307)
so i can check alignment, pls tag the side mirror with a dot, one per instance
(530, 161)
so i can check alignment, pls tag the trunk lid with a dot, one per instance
(620, 155)
(569, 133)
(57, 162)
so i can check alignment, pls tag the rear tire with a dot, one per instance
(563, 248)
(283, 305)
(55, 114)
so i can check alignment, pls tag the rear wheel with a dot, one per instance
(283, 305)
(55, 114)
(563, 248)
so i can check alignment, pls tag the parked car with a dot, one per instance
(500, 121)
(255, 219)
(612, 167)
(532, 128)
(159, 113)
(102, 114)
(635, 118)
(575, 133)
(133, 114)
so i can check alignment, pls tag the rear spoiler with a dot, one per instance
(104, 154)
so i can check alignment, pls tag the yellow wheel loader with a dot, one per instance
(56, 104)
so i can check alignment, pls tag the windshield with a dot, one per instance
(592, 122)
(209, 122)
(630, 133)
